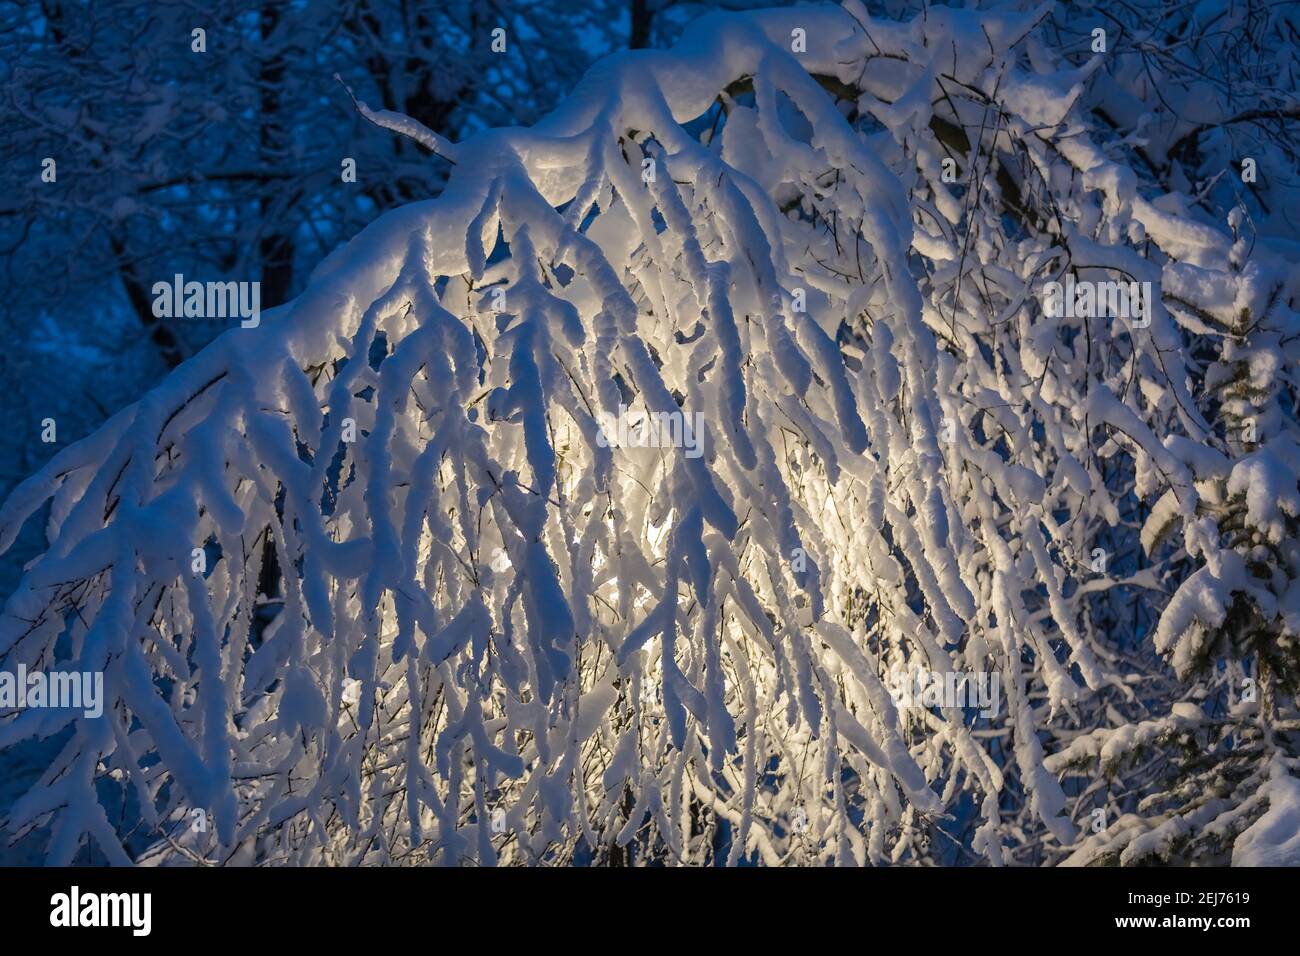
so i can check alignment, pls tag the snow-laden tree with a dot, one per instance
(371, 583)
(1203, 97)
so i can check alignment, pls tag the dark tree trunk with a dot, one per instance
(642, 19)
(169, 347)
(276, 246)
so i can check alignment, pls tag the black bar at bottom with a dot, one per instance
(260, 906)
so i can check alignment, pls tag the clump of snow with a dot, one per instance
(1273, 839)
